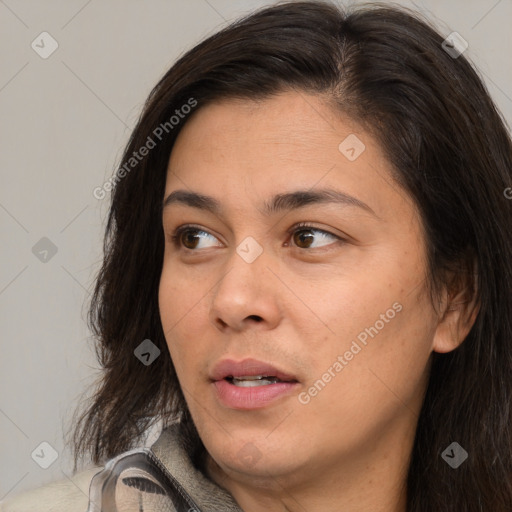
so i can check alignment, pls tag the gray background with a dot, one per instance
(65, 120)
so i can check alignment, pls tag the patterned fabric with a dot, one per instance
(162, 478)
(136, 481)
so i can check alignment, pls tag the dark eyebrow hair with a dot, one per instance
(278, 203)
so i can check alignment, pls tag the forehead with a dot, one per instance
(286, 142)
(294, 123)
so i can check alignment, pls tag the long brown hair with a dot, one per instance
(386, 68)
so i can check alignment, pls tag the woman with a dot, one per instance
(307, 279)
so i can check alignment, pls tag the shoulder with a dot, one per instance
(67, 495)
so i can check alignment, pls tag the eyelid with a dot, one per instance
(296, 227)
(307, 225)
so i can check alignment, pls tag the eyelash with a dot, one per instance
(302, 226)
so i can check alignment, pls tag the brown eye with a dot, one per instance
(304, 236)
(189, 238)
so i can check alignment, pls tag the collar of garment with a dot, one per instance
(161, 478)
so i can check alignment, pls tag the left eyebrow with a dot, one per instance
(278, 203)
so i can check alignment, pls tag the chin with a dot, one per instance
(251, 453)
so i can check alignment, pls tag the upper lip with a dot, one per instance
(248, 368)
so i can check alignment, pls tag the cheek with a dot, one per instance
(382, 325)
(375, 383)
(179, 297)
(178, 307)
(350, 308)
(385, 356)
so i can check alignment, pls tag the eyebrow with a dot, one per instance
(278, 203)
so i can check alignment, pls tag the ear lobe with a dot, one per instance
(457, 316)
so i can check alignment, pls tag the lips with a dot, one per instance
(250, 368)
(250, 384)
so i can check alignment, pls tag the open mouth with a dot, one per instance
(250, 384)
(251, 381)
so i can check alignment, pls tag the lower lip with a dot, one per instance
(255, 397)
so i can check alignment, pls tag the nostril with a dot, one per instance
(255, 317)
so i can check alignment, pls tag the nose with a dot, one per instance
(246, 295)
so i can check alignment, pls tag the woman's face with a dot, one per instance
(335, 314)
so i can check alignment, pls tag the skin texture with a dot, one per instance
(300, 305)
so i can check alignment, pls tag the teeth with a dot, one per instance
(253, 381)
(250, 377)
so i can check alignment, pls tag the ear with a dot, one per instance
(459, 307)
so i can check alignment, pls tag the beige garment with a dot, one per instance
(61, 496)
(135, 486)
